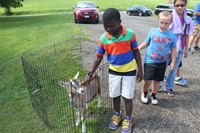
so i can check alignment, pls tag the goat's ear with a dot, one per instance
(63, 84)
(76, 76)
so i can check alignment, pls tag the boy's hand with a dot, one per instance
(171, 66)
(87, 80)
(186, 54)
(139, 76)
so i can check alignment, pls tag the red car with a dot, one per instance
(86, 12)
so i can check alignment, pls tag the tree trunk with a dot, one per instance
(8, 11)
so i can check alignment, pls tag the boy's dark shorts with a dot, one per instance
(154, 71)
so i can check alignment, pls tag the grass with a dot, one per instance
(52, 6)
(22, 34)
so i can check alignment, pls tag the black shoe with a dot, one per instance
(170, 92)
(196, 48)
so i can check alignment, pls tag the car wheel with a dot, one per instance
(129, 13)
(97, 21)
(140, 13)
(157, 12)
(75, 20)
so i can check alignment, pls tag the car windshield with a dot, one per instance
(85, 5)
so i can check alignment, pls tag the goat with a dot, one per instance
(80, 95)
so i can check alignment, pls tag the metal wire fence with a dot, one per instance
(43, 70)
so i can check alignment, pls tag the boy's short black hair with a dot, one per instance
(111, 14)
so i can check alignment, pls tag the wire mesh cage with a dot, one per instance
(44, 69)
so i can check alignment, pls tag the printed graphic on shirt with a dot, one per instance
(159, 46)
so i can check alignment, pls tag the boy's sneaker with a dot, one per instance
(154, 100)
(190, 51)
(170, 92)
(196, 48)
(126, 126)
(180, 81)
(144, 97)
(115, 120)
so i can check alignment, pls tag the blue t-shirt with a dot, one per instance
(159, 45)
(197, 9)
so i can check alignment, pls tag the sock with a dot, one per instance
(154, 95)
(127, 117)
(177, 78)
(145, 92)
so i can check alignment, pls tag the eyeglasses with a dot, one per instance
(179, 5)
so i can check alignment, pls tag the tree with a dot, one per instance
(8, 4)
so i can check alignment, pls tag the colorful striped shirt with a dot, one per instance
(119, 50)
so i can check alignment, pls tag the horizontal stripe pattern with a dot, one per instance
(119, 50)
(124, 68)
(118, 59)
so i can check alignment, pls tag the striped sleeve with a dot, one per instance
(100, 49)
(134, 44)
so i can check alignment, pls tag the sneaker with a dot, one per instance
(170, 92)
(160, 86)
(165, 78)
(126, 126)
(154, 100)
(115, 120)
(196, 48)
(144, 97)
(180, 81)
(190, 51)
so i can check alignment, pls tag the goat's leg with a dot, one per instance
(78, 117)
(83, 121)
(99, 101)
(87, 105)
(98, 93)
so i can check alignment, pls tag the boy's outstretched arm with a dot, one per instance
(173, 58)
(96, 63)
(143, 45)
(139, 65)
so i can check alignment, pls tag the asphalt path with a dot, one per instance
(179, 114)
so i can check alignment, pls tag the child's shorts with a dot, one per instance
(121, 86)
(196, 30)
(154, 71)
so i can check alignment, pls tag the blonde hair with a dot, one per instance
(166, 14)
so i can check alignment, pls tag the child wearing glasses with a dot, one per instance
(182, 26)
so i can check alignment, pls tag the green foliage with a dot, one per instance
(8, 4)
(52, 6)
(20, 35)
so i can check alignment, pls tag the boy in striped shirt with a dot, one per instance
(125, 65)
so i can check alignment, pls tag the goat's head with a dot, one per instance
(73, 85)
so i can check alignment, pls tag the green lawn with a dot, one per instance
(21, 34)
(52, 6)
